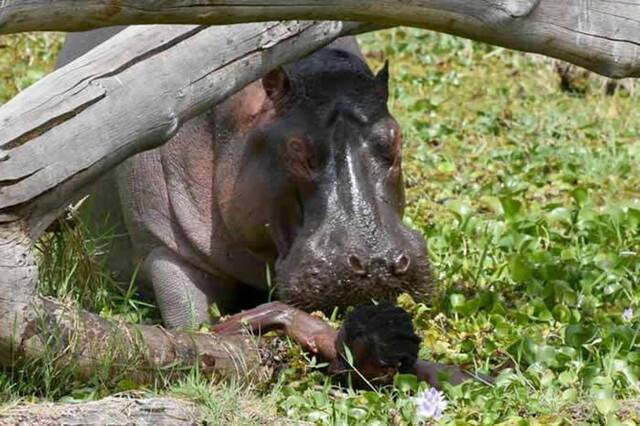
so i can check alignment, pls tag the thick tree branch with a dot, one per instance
(121, 409)
(601, 35)
(36, 328)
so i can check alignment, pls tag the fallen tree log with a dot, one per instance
(114, 410)
(129, 94)
(601, 35)
(34, 328)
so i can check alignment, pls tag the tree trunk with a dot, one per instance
(129, 94)
(601, 35)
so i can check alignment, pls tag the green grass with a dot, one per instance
(530, 199)
(24, 59)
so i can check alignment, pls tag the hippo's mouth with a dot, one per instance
(319, 287)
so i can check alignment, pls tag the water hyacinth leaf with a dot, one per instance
(577, 335)
(563, 293)
(357, 413)
(580, 195)
(525, 349)
(492, 203)
(569, 396)
(606, 405)
(576, 315)
(565, 354)
(318, 416)
(521, 270)
(541, 312)
(546, 355)
(424, 105)
(446, 166)
(457, 302)
(606, 260)
(405, 382)
(560, 214)
(371, 397)
(535, 289)
(460, 208)
(510, 207)
(561, 313)
(569, 253)
(621, 334)
(547, 379)
(567, 377)
(611, 288)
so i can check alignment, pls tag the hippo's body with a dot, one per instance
(299, 171)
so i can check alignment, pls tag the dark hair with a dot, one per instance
(387, 331)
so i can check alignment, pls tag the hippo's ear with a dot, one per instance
(276, 83)
(383, 74)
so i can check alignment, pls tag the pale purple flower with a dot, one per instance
(430, 404)
(627, 314)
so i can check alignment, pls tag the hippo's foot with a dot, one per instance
(182, 291)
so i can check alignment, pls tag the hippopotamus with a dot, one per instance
(292, 186)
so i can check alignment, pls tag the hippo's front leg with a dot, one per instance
(182, 291)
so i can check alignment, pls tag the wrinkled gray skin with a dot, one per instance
(300, 170)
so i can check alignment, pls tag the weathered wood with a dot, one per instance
(86, 343)
(129, 94)
(601, 35)
(124, 409)
(18, 285)
(33, 327)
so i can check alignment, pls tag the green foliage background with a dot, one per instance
(530, 199)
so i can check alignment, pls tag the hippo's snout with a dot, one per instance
(397, 265)
(318, 275)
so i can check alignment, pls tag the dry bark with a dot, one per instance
(601, 35)
(115, 410)
(35, 328)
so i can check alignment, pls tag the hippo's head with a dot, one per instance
(335, 186)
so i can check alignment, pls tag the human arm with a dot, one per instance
(312, 333)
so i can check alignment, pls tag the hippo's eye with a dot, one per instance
(390, 144)
(298, 158)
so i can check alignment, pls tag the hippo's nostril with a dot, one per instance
(401, 264)
(356, 265)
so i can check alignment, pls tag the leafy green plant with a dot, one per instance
(24, 59)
